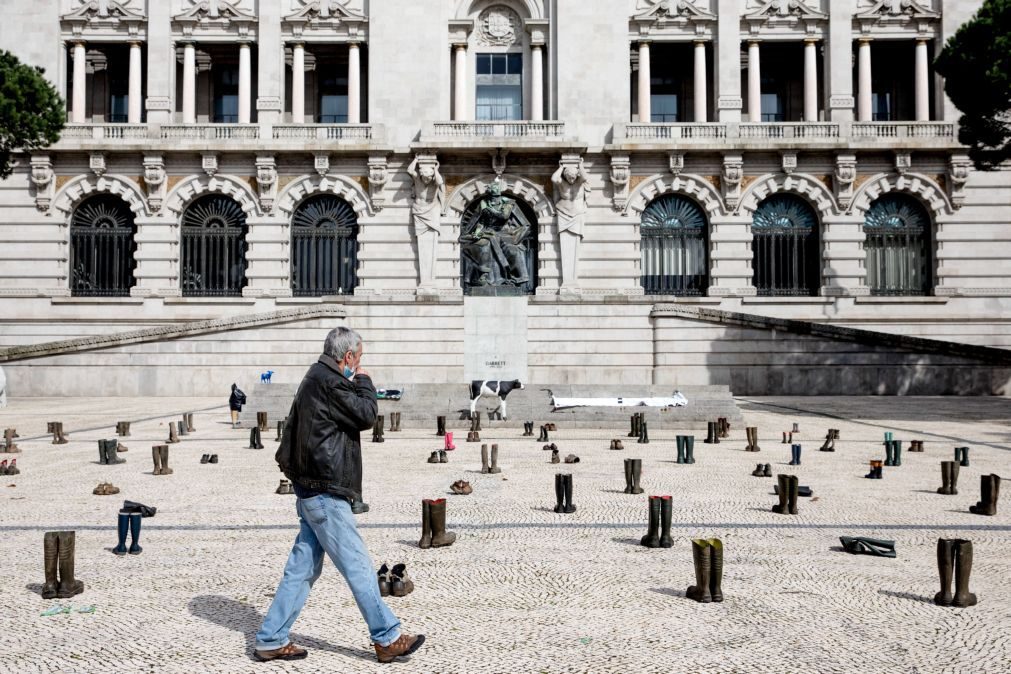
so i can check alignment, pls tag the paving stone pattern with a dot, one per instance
(523, 589)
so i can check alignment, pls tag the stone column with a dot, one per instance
(460, 81)
(645, 111)
(701, 85)
(189, 83)
(77, 110)
(134, 103)
(810, 80)
(536, 82)
(245, 82)
(922, 82)
(864, 113)
(298, 83)
(354, 84)
(754, 82)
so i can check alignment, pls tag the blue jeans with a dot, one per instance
(326, 524)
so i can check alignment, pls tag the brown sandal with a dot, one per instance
(288, 652)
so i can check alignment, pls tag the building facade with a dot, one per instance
(227, 159)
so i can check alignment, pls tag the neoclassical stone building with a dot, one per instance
(237, 176)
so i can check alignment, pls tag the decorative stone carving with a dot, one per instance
(895, 13)
(325, 10)
(104, 10)
(213, 9)
(321, 162)
(903, 162)
(96, 162)
(498, 162)
(495, 244)
(733, 176)
(498, 26)
(378, 177)
(209, 163)
(155, 181)
(676, 162)
(844, 177)
(621, 175)
(44, 180)
(330, 16)
(659, 14)
(571, 186)
(783, 12)
(428, 202)
(959, 168)
(789, 162)
(266, 181)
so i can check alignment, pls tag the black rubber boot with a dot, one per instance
(889, 453)
(652, 537)
(628, 476)
(666, 513)
(783, 483)
(989, 488)
(377, 429)
(643, 432)
(559, 493)
(964, 461)
(636, 476)
(103, 456)
(50, 557)
(181, 427)
(68, 586)
(945, 487)
(494, 467)
(701, 556)
(259, 439)
(633, 420)
(689, 449)
(135, 548)
(112, 458)
(567, 483)
(963, 568)
(280, 431)
(544, 434)
(711, 435)
(426, 525)
(252, 438)
(681, 448)
(953, 475)
(440, 426)
(896, 452)
(946, 568)
(716, 569)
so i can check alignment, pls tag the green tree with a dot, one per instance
(32, 113)
(976, 66)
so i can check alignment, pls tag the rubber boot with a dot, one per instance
(259, 438)
(628, 476)
(559, 493)
(68, 586)
(280, 431)
(567, 483)
(785, 442)
(122, 526)
(426, 525)
(945, 487)
(896, 452)
(494, 468)
(652, 537)
(103, 457)
(666, 514)
(681, 448)
(377, 429)
(760, 471)
(543, 437)
(62, 438)
(953, 474)
(796, 449)
(477, 422)
(189, 423)
(989, 488)
(181, 427)
(783, 482)
(963, 568)
(135, 549)
(711, 438)
(946, 567)
(794, 489)
(448, 445)
(252, 438)
(440, 426)
(644, 433)
(633, 420)
(173, 437)
(964, 462)
(889, 453)
(636, 476)
(723, 427)
(716, 569)
(110, 452)
(50, 555)
(701, 555)
(156, 456)
(440, 537)
(434, 458)
(484, 459)
(689, 449)
(163, 450)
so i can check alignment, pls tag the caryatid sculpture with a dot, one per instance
(427, 203)
(571, 189)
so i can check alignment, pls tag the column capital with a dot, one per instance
(354, 44)
(923, 40)
(644, 42)
(460, 46)
(699, 41)
(136, 43)
(296, 43)
(865, 40)
(77, 43)
(812, 40)
(537, 45)
(754, 43)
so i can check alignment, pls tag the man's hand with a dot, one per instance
(363, 371)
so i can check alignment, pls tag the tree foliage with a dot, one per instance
(976, 66)
(32, 113)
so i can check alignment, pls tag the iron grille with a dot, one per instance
(898, 252)
(102, 248)
(214, 248)
(675, 247)
(787, 259)
(324, 247)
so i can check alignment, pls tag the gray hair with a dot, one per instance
(339, 341)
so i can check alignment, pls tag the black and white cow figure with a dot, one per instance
(492, 387)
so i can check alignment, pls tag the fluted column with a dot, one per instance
(245, 82)
(701, 84)
(189, 83)
(77, 110)
(460, 82)
(298, 83)
(922, 82)
(537, 82)
(354, 84)
(754, 82)
(645, 102)
(864, 112)
(134, 102)
(810, 80)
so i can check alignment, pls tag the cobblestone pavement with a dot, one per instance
(523, 589)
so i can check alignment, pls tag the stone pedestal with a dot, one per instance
(495, 338)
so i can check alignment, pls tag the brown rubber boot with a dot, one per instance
(783, 482)
(163, 450)
(68, 586)
(963, 567)
(189, 422)
(62, 439)
(50, 551)
(945, 566)
(989, 488)
(405, 645)
(701, 555)
(426, 525)
(493, 468)
(440, 537)
(156, 456)
(173, 437)
(484, 459)
(716, 569)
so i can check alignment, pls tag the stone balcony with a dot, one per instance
(494, 135)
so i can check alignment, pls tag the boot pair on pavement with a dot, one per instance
(633, 474)
(661, 509)
(752, 433)
(58, 554)
(490, 467)
(954, 558)
(433, 525)
(394, 582)
(989, 489)
(107, 452)
(763, 470)
(209, 458)
(787, 488)
(159, 453)
(461, 488)
(128, 520)
(9, 469)
(708, 557)
(563, 493)
(56, 428)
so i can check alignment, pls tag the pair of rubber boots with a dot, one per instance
(377, 429)
(787, 438)
(528, 429)
(636, 420)
(255, 438)
(633, 473)
(989, 490)
(877, 471)
(395, 422)
(795, 450)
(686, 448)
(893, 452)
(722, 428)
(9, 446)
(492, 466)
(954, 558)
(58, 554)
(949, 478)
(788, 488)
(131, 521)
(830, 438)
(433, 525)
(661, 509)
(712, 433)
(12, 469)
(262, 421)
(473, 436)
(643, 432)
(123, 429)
(752, 433)
(280, 429)
(543, 437)
(916, 446)
(563, 493)
(962, 456)
(159, 454)
(107, 452)
(440, 426)
(173, 432)
(56, 428)
(182, 426)
(475, 422)
(707, 554)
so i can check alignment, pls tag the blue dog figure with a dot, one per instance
(265, 377)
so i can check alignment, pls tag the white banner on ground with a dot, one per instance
(677, 400)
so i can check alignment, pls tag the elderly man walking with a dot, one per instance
(321, 454)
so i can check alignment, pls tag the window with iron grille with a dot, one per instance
(102, 248)
(898, 247)
(324, 247)
(213, 248)
(675, 247)
(786, 247)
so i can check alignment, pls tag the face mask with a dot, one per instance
(348, 372)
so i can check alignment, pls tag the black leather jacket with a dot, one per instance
(321, 448)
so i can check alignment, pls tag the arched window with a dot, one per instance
(898, 247)
(498, 247)
(787, 253)
(324, 247)
(214, 248)
(675, 247)
(102, 247)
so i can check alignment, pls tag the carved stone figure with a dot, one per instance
(44, 180)
(266, 181)
(495, 242)
(427, 203)
(570, 183)
(155, 181)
